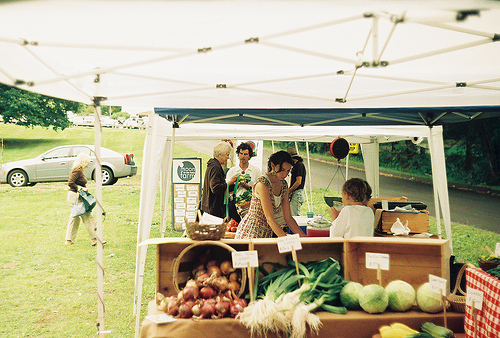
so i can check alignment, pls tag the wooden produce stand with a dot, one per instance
(411, 260)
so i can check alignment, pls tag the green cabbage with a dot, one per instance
(373, 299)
(429, 300)
(349, 295)
(401, 295)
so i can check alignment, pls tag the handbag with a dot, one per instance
(88, 200)
(78, 209)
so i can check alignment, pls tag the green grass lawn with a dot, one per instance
(49, 289)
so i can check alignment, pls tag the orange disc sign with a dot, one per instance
(339, 148)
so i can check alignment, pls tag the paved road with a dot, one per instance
(466, 207)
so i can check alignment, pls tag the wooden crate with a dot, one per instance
(312, 249)
(410, 259)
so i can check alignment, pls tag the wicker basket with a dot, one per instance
(487, 265)
(457, 300)
(203, 232)
(184, 263)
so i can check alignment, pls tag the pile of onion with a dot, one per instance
(210, 293)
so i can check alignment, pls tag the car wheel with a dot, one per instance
(107, 176)
(18, 178)
(113, 181)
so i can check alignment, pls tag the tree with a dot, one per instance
(30, 109)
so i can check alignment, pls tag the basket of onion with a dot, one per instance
(206, 283)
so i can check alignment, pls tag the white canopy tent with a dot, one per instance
(162, 135)
(413, 63)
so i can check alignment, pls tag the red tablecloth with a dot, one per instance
(488, 318)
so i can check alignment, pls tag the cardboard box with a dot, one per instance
(417, 222)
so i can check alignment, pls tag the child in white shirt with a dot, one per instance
(355, 218)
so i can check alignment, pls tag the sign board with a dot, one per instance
(186, 191)
(353, 148)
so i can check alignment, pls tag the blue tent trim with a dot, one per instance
(429, 116)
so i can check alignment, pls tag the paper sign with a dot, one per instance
(286, 243)
(474, 296)
(376, 260)
(497, 249)
(245, 259)
(438, 284)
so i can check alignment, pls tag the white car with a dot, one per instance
(55, 166)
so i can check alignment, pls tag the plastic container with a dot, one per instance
(318, 232)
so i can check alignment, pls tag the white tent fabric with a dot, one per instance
(161, 136)
(276, 53)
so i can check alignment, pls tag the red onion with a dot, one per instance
(207, 310)
(233, 277)
(192, 283)
(221, 283)
(173, 308)
(190, 292)
(234, 286)
(214, 270)
(202, 278)
(226, 267)
(208, 292)
(237, 305)
(222, 308)
(185, 311)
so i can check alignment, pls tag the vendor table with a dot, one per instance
(411, 260)
(354, 324)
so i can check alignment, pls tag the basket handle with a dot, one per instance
(459, 278)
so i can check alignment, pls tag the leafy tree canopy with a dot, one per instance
(30, 109)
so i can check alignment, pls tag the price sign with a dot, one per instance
(245, 259)
(438, 284)
(287, 243)
(497, 249)
(377, 260)
(476, 297)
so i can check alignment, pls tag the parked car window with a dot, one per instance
(57, 153)
(78, 149)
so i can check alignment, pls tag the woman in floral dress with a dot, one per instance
(269, 211)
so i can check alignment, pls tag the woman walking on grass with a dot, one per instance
(78, 181)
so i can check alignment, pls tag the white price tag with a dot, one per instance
(377, 260)
(438, 284)
(497, 250)
(245, 259)
(286, 243)
(474, 296)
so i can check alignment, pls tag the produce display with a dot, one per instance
(232, 226)
(428, 330)
(373, 298)
(349, 295)
(401, 295)
(285, 301)
(429, 300)
(210, 293)
(494, 272)
(490, 258)
(398, 295)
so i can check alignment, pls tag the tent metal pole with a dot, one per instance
(310, 206)
(99, 232)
